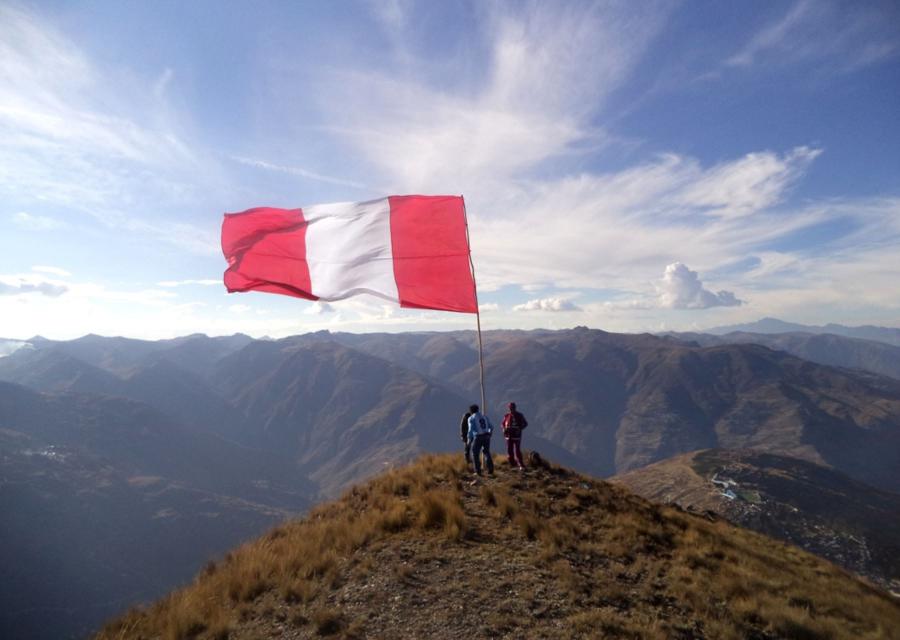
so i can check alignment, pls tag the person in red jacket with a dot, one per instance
(513, 423)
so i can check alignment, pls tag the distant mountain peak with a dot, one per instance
(888, 335)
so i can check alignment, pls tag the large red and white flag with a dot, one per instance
(413, 250)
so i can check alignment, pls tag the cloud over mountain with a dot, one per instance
(548, 304)
(681, 288)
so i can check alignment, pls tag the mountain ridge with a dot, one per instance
(825, 348)
(888, 335)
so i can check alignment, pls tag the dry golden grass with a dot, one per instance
(563, 552)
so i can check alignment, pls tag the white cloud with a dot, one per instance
(318, 308)
(548, 304)
(54, 271)
(643, 215)
(848, 35)
(31, 222)
(771, 36)
(239, 308)
(681, 288)
(752, 183)
(91, 138)
(488, 307)
(296, 171)
(12, 286)
(87, 139)
(184, 283)
(426, 139)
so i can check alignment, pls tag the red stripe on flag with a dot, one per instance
(266, 251)
(431, 253)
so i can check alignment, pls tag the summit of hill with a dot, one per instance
(420, 552)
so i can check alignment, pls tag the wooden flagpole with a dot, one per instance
(477, 310)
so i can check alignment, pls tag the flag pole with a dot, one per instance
(477, 310)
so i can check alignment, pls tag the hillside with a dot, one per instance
(420, 553)
(106, 502)
(818, 509)
(627, 401)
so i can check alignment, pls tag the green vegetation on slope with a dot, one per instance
(419, 553)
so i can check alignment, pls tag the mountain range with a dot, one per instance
(271, 426)
(887, 335)
(343, 405)
(824, 348)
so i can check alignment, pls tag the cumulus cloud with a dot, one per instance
(488, 307)
(681, 288)
(548, 304)
(22, 286)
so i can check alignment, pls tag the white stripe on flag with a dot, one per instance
(348, 249)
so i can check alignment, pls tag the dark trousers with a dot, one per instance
(482, 443)
(514, 451)
(468, 450)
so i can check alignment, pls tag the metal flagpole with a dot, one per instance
(477, 310)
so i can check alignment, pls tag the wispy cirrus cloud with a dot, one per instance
(426, 138)
(185, 283)
(296, 171)
(503, 145)
(819, 30)
(54, 271)
(668, 209)
(86, 139)
(31, 222)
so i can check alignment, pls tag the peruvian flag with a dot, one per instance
(412, 250)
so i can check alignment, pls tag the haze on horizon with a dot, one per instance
(626, 166)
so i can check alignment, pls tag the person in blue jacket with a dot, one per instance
(480, 429)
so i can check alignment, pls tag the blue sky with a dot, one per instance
(629, 166)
